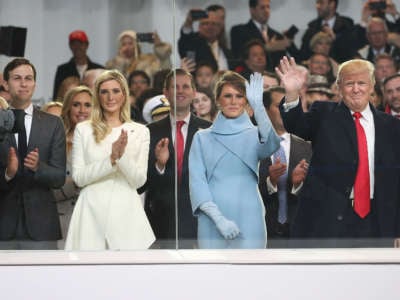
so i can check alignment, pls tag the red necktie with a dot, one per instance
(180, 147)
(361, 184)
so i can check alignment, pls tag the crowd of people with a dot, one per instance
(260, 143)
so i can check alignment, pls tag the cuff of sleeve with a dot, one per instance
(160, 172)
(187, 30)
(296, 190)
(7, 178)
(289, 105)
(270, 187)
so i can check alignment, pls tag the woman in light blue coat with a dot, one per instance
(223, 167)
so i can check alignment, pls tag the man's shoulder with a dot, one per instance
(200, 123)
(241, 27)
(344, 20)
(66, 65)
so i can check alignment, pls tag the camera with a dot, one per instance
(291, 32)
(146, 37)
(381, 5)
(198, 14)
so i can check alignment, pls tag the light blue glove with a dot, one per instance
(254, 91)
(254, 94)
(227, 228)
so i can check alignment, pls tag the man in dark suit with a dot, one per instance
(332, 23)
(276, 44)
(351, 195)
(78, 64)
(169, 210)
(32, 163)
(204, 45)
(279, 181)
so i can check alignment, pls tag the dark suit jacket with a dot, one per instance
(299, 149)
(69, 69)
(243, 33)
(32, 191)
(194, 42)
(340, 50)
(160, 196)
(324, 201)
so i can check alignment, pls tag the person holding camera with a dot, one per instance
(382, 9)
(205, 45)
(333, 24)
(131, 58)
(276, 44)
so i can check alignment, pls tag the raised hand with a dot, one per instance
(292, 77)
(254, 91)
(161, 152)
(31, 161)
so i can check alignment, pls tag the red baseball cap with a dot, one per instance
(78, 35)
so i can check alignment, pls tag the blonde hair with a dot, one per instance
(3, 103)
(356, 66)
(99, 125)
(66, 109)
(51, 104)
(66, 85)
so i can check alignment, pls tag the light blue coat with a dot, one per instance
(223, 168)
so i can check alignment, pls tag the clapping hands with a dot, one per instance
(118, 147)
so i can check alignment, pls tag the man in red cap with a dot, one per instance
(79, 63)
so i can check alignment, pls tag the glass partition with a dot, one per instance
(217, 174)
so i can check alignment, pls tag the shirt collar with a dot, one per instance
(259, 25)
(186, 119)
(28, 110)
(366, 114)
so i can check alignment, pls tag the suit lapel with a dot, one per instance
(380, 139)
(36, 129)
(346, 121)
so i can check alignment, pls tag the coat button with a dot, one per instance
(339, 217)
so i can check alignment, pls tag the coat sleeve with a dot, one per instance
(198, 183)
(86, 173)
(133, 163)
(51, 172)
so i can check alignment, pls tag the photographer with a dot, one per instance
(386, 10)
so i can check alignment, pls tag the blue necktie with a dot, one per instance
(282, 193)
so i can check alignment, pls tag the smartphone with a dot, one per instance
(146, 37)
(198, 14)
(381, 5)
(291, 32)
(191, 55)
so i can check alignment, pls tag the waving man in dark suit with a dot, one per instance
(351, 193)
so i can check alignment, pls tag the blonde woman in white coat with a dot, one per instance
(109, 162)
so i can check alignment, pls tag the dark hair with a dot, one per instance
(205, 63)
(136, 73)
(15, 63)
(208, 92)
(215, 7)
(267, 95)
(232, 78)
(147, 94)
(159, 79)
(253, 3)
(387, 79)
(247, 46)
(178, 72)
